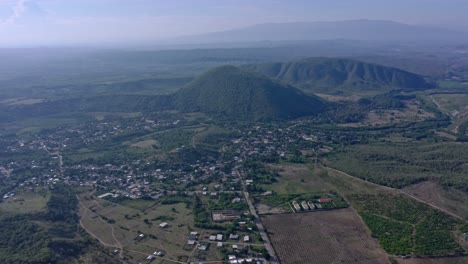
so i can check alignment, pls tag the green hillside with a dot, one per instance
(334, 75)
(231, 92)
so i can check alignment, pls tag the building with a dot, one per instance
(296, 206)
(163, 225)
(304, 205)
(246, 238)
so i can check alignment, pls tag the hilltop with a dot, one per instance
(232, 92)
(335, 75)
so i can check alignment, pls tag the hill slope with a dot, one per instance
(331, 75)
(231, 92)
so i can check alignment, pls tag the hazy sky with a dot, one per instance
(107, 22)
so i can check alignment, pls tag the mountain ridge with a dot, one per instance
(321, 74)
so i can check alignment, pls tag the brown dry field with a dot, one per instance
(451, 200)
(337, 236)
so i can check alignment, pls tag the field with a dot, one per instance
(451, 200)
(404, 226)
(337, 236)
(402, 164)
(412, 112)
(455, 105)
(299, 178)
(25, 202)
(119, 226)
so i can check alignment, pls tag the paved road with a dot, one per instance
(258, 222)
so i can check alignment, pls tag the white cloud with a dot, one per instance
(18, 10)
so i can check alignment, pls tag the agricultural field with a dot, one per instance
(411, 112)
(402, 164)
(452, 200)
(404, 226)
(337, 236)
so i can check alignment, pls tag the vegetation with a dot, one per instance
(332, 75)
(401, 164)
(230, 92)
(43, 237)
(406, 227)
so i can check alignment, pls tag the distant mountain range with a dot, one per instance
(329, 75)
(367, 30)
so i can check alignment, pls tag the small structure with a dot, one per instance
(324, 200)
(163, 225)
(296, 206)
(304, 205)
(220, 244)
(311, 205)
(203, 247)
(246, 238)
(212, 238)
(233, 237)
(219, 237)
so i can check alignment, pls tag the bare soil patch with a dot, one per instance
(337, 236)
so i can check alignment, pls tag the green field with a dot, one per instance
(406, 227)
(401, 164)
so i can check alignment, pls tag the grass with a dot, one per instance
(298, 178)
(25, 202)
(129, 221)
(402, 164)
(138, 204)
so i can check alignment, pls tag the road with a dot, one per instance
(258, 222)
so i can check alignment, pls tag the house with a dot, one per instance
(296, 206)
(212, 238)
(203, 247)
(233, 237)
(219, 237)
(220, 244)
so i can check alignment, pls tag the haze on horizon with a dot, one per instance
(30, 23)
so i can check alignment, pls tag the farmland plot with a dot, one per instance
(337, 236)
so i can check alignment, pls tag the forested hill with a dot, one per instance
(333, 74)
(231, 92)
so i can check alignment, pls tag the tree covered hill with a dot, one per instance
(335, 75)
(232, 92)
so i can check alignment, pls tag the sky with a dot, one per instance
(25, 23)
